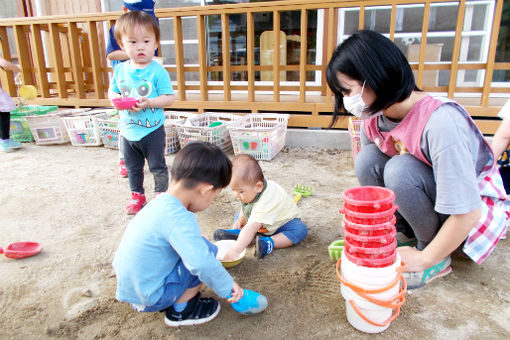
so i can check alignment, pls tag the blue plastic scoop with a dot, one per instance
(251, 303)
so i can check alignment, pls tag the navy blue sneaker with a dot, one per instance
(226, 234)
(263, 246)
(198, 311)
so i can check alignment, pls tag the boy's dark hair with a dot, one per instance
(248, 168)
(200, 162)
(128, 20)
(369, 56)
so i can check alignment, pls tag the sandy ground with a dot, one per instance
(71, 200)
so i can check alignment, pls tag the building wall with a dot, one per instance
(65, 7)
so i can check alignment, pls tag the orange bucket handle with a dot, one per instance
(395, 303)
(385, 323)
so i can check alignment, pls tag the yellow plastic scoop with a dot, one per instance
(28, 92)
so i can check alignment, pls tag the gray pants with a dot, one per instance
(414, 186)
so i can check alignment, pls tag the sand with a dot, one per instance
(72, 201)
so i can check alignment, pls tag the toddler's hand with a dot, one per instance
(240, 223)
(113, 95)
(141, 104)
(231, 255)
(236, 294)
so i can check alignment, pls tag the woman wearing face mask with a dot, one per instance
(427, 150)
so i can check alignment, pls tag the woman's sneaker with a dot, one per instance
(199, 310)
(403, 240)
(420, 279)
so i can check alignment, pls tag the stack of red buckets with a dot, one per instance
(369, 226)
(371, 270)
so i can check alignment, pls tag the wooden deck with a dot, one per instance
(64, 57)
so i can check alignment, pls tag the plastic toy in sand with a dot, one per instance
(19, 250)
(223, 247)
(251, 303)
(301, 190)
(335, 249)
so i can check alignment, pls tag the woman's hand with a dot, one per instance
(236, 293)
(412, 259)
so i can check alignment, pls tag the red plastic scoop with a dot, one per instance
(19, 250)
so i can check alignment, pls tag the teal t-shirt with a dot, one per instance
(149, 82)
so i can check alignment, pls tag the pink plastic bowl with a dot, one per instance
(124, 103)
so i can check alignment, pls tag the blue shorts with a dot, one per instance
(176, 283)
(295, 230)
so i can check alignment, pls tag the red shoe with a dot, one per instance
(122, 169)
(136, 204)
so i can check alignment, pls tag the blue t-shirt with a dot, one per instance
(149, 82)
(160, 235)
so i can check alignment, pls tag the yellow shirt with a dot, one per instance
(274, 208)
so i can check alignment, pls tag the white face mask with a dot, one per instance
(355, 104)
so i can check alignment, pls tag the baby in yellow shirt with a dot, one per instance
(267, 213)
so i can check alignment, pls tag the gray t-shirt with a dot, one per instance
(451, 144)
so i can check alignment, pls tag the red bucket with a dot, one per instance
(370, 218)
(371, 253)
(368, 199)
(370, 241)
(373, 263)
(370, 230)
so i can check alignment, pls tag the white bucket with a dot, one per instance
(370, 310)
(369, 279)
(379, 277)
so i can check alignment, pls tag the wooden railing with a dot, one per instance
(64, 57)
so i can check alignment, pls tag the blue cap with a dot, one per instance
(140, 5)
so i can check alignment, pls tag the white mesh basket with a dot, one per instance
(259, 135)
(354, 128)
(208, 127)
(82, 128)
(172, 137)
(49, 128)
(110, 132)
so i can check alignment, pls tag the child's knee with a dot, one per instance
(297, 233)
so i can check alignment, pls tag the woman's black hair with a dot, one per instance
(370, 57)
(202, 162)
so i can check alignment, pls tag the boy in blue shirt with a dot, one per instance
(142, 127)
(162, 258)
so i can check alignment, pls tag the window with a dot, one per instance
(440, 38)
